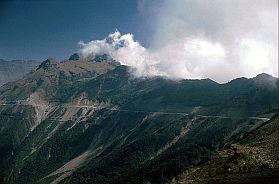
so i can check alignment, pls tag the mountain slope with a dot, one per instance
(28, 101)
(254, 159)
(92, 122)
(12, 70)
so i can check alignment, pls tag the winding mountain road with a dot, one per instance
(126, 110)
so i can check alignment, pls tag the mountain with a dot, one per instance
(91, 121)
(253, 159)
(12, 70)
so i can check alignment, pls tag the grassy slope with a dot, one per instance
(254, 159)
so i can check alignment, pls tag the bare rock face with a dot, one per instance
(41, 106)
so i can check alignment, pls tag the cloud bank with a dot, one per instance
(127, 51)
(218, 39)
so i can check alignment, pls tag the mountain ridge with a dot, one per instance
(72, 121)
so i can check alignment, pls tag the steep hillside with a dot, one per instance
(253, 159)
(28, 101)
(82, 121)
(12, 70)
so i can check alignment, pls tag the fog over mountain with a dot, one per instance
(220, 40)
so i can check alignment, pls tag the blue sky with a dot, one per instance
(31, 29)
(175, 38)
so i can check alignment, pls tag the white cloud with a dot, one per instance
(124, 49)
(218, 39)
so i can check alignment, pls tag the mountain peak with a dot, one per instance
(50, 62)
(263, 76)
(74, 57)
(102, 58)
(97, 58)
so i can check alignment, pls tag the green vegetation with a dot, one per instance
(153, 129)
